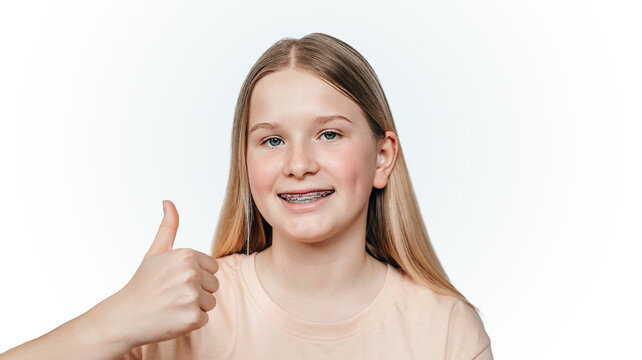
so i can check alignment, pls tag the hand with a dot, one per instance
(168, 296)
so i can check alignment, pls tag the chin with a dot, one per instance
(310, 241)
(306, 237)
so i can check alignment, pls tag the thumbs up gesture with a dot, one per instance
(168, 296)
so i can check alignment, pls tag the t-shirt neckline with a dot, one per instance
(280, 318)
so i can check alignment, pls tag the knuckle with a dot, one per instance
(195, 317)
(191, 276)
(186, 254)
(190, 297)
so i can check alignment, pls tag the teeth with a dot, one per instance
(305, 198)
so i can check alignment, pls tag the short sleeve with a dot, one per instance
(467, 338)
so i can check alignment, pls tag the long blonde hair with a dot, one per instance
(395, 232)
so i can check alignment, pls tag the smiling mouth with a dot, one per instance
(307, 197)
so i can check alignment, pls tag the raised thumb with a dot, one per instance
(166, 234)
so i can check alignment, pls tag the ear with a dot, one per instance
(387, 149)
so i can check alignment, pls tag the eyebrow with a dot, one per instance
(318, 120)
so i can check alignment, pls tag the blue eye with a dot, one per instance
(331, 132)
(269, 140)
(271, 143)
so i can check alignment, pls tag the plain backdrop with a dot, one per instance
(520, 122)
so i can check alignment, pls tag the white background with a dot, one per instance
(520, 122)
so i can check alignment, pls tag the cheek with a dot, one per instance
(261, 174)
(354, 170)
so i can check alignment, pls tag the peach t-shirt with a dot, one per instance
(405, 321)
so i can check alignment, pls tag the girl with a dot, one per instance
(320, 249)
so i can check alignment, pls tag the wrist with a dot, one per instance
(98, 328)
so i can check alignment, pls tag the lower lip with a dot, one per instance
(311, 206)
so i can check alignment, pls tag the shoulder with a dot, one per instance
(230, 262)
(465, 334)
(228, 275)
(467, 337)
(415, 295)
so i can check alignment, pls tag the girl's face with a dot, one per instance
(295, 144)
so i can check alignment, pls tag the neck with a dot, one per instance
(326, 268)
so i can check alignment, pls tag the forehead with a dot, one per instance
(297, 94)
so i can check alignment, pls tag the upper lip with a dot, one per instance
(304, 191)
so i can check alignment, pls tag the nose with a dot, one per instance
(300, 161)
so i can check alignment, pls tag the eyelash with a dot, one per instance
(325, 132)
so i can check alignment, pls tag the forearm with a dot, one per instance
(79, 338)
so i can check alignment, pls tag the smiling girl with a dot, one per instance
(320, 250)
(337, 262)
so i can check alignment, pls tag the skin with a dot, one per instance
(170, 295)
(317, 267)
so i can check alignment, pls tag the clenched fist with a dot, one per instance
(168, 296)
